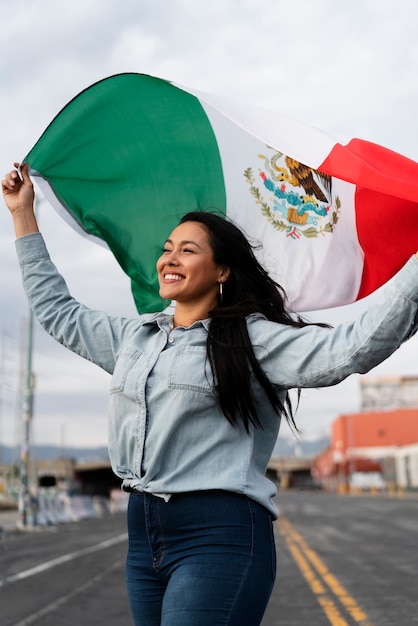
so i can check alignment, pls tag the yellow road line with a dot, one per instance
(327, 604)
(302, 553)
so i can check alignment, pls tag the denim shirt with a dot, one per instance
(167, 433)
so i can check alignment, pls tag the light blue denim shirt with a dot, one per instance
(167, 433)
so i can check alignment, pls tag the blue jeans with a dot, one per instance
(202, 559)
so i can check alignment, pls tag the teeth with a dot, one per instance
(172, 277)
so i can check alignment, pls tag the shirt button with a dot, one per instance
(171, 340)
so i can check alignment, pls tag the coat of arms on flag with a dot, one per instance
(299, 201)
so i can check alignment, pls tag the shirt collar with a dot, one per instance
(165, 321)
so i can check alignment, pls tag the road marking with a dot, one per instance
(322, 581)
(63, 599)
(38, 569)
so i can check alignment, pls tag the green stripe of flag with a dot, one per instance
(127, 158)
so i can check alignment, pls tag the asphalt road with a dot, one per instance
(345, 560)
(342, 560)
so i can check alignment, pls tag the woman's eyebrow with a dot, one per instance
(185, 242)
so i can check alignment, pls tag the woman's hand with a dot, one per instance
(18, 191)
(19, 197)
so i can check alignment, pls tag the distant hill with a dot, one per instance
(285, 446)
(292, 446)
(9, 455)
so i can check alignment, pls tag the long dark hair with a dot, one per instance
(249, 289)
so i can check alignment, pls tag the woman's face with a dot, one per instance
(186, 270)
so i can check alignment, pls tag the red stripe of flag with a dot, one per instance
(386, 205)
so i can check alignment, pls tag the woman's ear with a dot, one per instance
(224, 273)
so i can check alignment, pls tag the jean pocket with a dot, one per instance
(273, 549)
(190, 371)
(123, 366)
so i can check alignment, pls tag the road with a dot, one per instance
(345, 561)
(342, 560)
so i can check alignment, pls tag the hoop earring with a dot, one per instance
(221, 292)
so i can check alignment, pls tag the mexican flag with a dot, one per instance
(131, 154)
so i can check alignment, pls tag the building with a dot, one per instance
(383, 393)
(378, 444)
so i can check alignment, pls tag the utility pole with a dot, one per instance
(2, 374)
(26, 513)
(5, 376)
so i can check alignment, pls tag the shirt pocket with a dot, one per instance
(190, 370)
(124, 365)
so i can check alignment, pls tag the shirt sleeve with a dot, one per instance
(313, 356)
(92, 334)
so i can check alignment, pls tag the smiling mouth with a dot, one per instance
(174, 277)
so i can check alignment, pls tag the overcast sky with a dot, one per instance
(348, 67)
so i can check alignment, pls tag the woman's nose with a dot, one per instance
(172, 258)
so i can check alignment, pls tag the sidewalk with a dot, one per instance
(8, 520)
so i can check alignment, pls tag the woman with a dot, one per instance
(195, 406)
